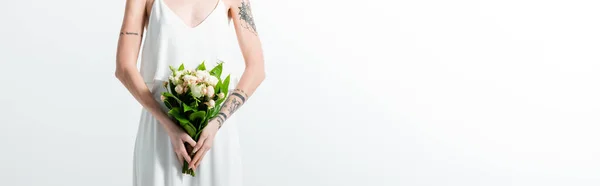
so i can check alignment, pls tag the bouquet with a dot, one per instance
(194, 97)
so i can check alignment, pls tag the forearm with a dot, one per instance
(133, 81)
(249, 82)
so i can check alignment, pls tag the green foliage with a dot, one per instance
(183, 122)
(187, 108)
(191, 113)
(169, 95)
(198, 115)
(172, 69)
(201, 66)
(225, 85)
(217, 70)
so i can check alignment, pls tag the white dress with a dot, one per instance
(169, 41)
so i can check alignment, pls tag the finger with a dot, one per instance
(189, 140)
(199, 144)
(201, 157)
(185, 155)
(196, 158)
(207, 145)
(179, 158)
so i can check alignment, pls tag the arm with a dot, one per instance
(252, 77)
(130, 39)
(128, 47)
(251, 48)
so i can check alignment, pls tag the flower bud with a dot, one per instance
(221, 95)
(179, 89)
(211, 103)
(204, 89)
(210, 92)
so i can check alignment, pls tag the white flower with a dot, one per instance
(212, 80)
(221, 95)
(197, 90)
(189, 79)
(179, 89)
(162, 98)
(210, 92)
(202, 75)
(210, 103)
(178, 73)
(176, 77)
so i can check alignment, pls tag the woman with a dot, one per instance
(189, 32)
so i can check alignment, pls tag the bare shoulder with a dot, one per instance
(235, 4)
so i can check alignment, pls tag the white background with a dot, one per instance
(378, 93)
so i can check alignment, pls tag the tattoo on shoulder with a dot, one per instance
(130, 33)
(246, 16)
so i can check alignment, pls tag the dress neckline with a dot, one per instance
(165, 6)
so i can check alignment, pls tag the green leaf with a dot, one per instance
(198, 115)
(171, 87)
(169, 106)
(176, 113)
(169, 95)
(186, 107)
(172, 69)
(214, 111)
(217, 70)
(183, 122)
(181, 67)
(225, 86)
(189, 128)
(218, 87)
(201, 66)
(219, 101)
(197, 135)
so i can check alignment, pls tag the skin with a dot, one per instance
(130, 38)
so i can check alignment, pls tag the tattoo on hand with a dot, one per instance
(236, 99)
(129, 33)
(246, 17)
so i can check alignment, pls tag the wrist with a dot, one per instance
(168, 124)
(219, 120)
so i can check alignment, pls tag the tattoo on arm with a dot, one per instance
(246, 16)
(129, 33)
(236, 99)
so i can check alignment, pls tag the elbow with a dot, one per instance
(260, 75)
(257, 73)
(120, 72)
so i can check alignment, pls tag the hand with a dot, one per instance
(178, 139)
(204, 142)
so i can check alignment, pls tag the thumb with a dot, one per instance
(189, 140)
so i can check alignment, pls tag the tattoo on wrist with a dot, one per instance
(222, 115)
(220, 120)
(129, 33)
(233, 102)
(246, 17)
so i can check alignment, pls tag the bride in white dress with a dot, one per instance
(189, 32)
